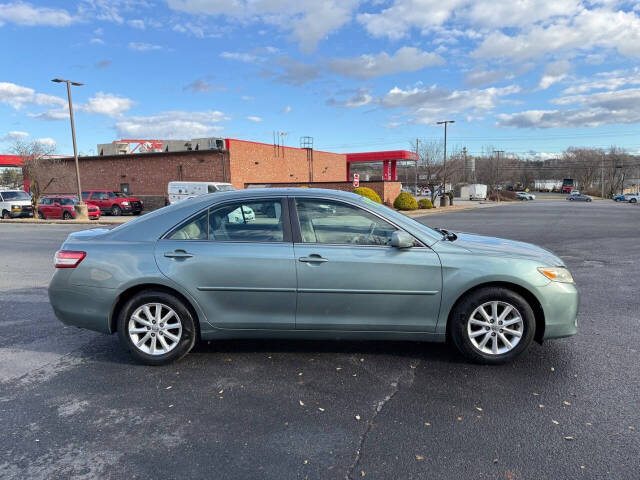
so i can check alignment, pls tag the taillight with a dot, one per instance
(68, 258)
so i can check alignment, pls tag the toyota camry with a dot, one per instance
(312, 264)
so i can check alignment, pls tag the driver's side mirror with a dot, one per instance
(56, 204)
(401, 239)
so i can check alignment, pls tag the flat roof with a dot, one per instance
(382, 156)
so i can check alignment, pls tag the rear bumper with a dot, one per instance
(80, 306)
(560, 302)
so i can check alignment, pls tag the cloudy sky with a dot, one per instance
(526, 76)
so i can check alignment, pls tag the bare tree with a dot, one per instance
(430, 164)
(36, 167)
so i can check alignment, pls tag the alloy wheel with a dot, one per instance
(155, 328)
(495, 327)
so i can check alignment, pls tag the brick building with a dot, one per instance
(242, 163)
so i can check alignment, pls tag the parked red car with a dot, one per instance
(63, 207)
(113, 203)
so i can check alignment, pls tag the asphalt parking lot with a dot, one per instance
(73, 404)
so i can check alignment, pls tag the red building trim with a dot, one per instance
(388, 158)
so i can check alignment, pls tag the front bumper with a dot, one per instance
(21, 213)
(560, 302)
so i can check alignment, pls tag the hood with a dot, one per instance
(18, 202)
(506, 248)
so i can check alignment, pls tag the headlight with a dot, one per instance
(125, 203)
(556, 274)
(16, 207)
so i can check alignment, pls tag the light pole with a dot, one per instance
(82, 209)
(444, 163)
(498, 171)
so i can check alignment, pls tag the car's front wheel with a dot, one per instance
(633, 200)
(116, 211)
(492, 325)
(157, 327)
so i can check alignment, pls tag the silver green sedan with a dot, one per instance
(307, 263)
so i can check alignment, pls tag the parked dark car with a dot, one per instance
(113, 203)
(579, 197)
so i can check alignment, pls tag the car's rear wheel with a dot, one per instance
(67, 216)
(157, 327)
(633, 200)
(492, 325)
(41, 215)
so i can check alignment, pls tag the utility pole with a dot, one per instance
(498, 153)
(82, 208)
(417, 157)
(602, 178)
(444, 163)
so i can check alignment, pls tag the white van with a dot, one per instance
(183, 190)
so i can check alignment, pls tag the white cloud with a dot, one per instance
(405, 59)
(107, 104)
(480, 78)
(293, 72)
(359, 98)
(143, 47)
(96, 41)
(501, 14)
(605, 81)
(174, 124)
(308, 21)
(589, 29)
(554, 73)
(139, 24)
(13, 136)
(241, 57)
(397, 21)
(47, 142)
(286, 109)
(429, 104)
(202, 86)
(603, 108)
(101, 104)
(16, 96)
(253, 118)
(22, 13)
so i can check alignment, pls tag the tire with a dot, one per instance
(41, 215)
(66, 216)
(589, 200)
(6, 215)
(461, 327)
(116, 211)
(633, 200)
(186, 334)
(571, 199)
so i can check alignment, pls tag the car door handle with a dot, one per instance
(313, 259)
(178, 254)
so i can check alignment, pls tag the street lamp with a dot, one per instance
(82, 209)
(444, 163)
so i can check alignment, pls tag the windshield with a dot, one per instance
(17, 195)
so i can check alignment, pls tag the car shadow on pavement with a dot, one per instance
(403, 349)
